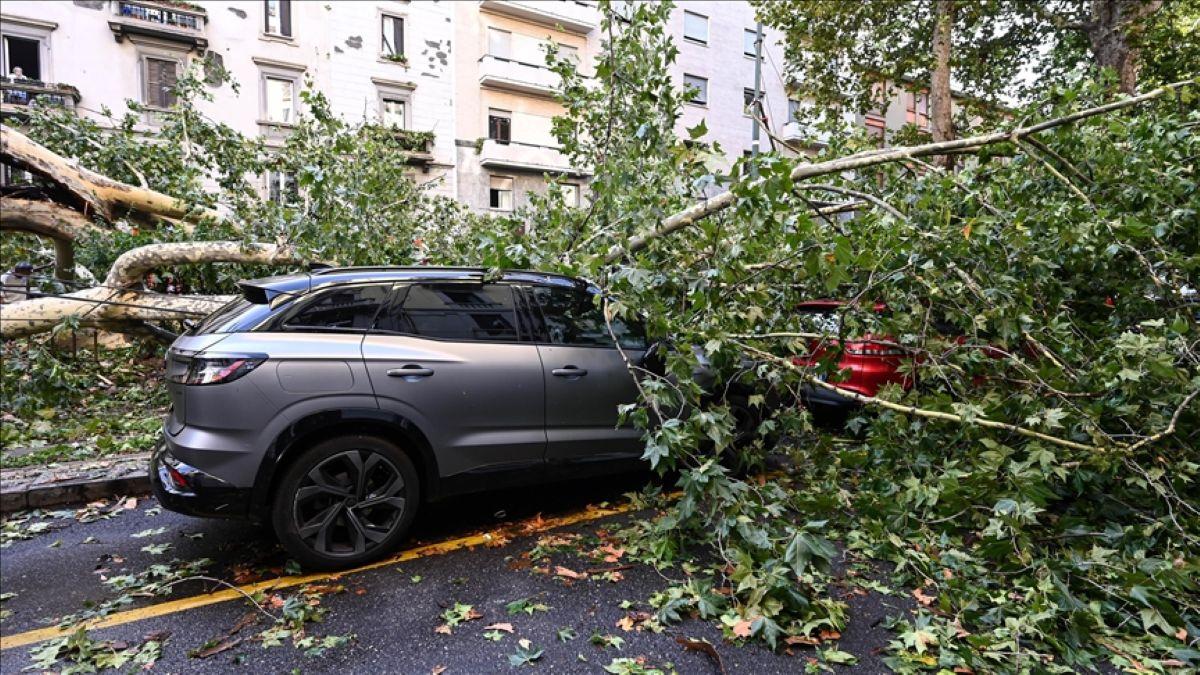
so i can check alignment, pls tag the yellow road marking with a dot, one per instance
(184, 604)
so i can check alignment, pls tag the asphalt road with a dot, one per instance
(392, 611)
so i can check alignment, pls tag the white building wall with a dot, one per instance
(81, 51)
(729, 71)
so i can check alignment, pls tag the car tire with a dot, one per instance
(339, 504)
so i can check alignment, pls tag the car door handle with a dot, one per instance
(411, 370)
(569, 371)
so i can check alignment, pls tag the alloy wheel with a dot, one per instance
(349, 503)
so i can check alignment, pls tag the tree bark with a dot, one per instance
(50, 220)
(1110, 33)
(93, 193)
(940, 101)
(118, 302)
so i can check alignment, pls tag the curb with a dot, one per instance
(72, 492)
(94, 480)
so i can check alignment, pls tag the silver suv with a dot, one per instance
(332, 404)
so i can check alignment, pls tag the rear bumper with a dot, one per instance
(185, 489)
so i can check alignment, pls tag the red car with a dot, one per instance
(864, 364)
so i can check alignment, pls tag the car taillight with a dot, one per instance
(218, 370)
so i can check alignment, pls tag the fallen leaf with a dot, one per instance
(947, 574)
(612, 553)
(922, 598)
(130, 504)
(801, 640)
(444, 629)
(703, 646)
(437, 670)
(506, 627)
(742, 628)
(568, 573)
(625, 623)
(1181, 635)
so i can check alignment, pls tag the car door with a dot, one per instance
(448, 357)
(586, 381)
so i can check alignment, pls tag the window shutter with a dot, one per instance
(285, 17)
(169, 79)
(153, 83)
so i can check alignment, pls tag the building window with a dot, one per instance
(695, 27)
(278, 17)
(393, 36)
(282, 188)
(570, 194)
(22, 58)
(876, 128)
(159, 79)
(699, 87)
(917, 109)
(280, 99)
(749, 37)
(499, 43)
(569, 53)
(500, 126)
(748, 96)
(500, 193)
(392, 112)
(795, 110)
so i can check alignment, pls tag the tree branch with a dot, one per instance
(689, 216)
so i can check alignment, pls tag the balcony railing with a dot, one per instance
(526, 157)
(572, 16)
(528, 78)
(18, 95)
(164, 19)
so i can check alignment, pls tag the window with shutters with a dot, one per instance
(917, 108)
(159, 78)
(500, 126)
(393, 36)
(278, 14)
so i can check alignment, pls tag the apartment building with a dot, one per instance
(471, 72)
(505, 98)
(386, 61)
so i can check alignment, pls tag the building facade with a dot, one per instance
(471, 72)
(386, 61)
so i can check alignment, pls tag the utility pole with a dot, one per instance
(756, 103)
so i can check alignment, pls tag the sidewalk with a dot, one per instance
(73, 482)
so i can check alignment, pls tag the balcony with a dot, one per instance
(499, 72)
(526, 157)
(574, 17)
(793, 132)
(17, 96)
(417, 146)
(163, 19)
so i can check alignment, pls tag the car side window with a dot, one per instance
(572, 317)
(457, 311)
(348, 309)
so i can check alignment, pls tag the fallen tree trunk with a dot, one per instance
(94, 193)
(120, 303)
(51, 220)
